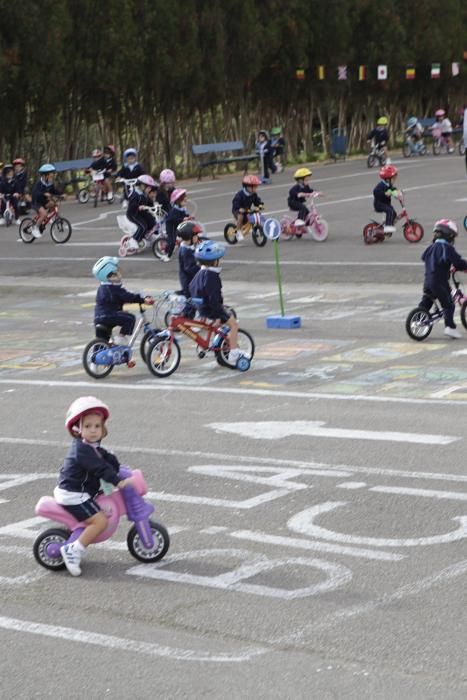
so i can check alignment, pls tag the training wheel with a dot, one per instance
(243, 364)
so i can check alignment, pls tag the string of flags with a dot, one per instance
(362, 73)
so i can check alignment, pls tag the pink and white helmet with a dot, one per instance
(440, 113)
(167, 176)
(447, 227)
(177, 194)
(81, 407)
(146, 180)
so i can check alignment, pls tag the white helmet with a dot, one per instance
(167, 176)
(447, 228)
(80, 408)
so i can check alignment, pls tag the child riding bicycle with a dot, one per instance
(244, 200)
(111, 296)
(380, 136)
(382, 193)
(178, 212)
(137, 211)
(9, 192)
(42, 197)
(189, 232)
(439, 257)
(443, 127)
(297, 194)
(165, 189)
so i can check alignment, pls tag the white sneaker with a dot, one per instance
(388, 161)
(36, 232)
(71, 558)
(452, 332)
(239, 236)
(133, 244)
(2, 221)
(164, 258)
(17, 222)
(299, 222)
(389, 229)
(110, 196)
(121, 340)
(234, 354)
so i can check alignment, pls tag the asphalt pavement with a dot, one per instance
(318, 536)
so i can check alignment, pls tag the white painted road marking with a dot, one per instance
(277, 430)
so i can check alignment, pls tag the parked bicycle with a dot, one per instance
(101, 354)
(314, 224)
(377, 155)
(412, 230)
(60, 228)
(163, 354)
(253, 226)
(419, 322)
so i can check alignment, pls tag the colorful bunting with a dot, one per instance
(320, 72)
(435, 70)
(455, 69)
(410, 73)
(300, 74)
(341, 72)
(382, 73)
(362, 72)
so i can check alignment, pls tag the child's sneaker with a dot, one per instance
(17, 222)
(133, 244)
(120, 340)
(110, 196)
(71, 558)
(299, 222)
(36, 232)
(239, 235)
(452, 332)
(389, 229)
(234, 355)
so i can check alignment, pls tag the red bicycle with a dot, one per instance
(412, 230)
(60, 228)
(163, 353)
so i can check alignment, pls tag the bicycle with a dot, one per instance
(163, 355)
(253, 225)
(313, 224)
(97, 192)
(412, 230)
(419, 322)
(60, 228)
(151, 236)
(101, 354)
(83, 192)
(377, 155)
(161, 242)
(8, 215)
(440, 143)
(412, 147)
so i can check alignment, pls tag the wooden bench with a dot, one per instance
(73, 167)
(212, 154)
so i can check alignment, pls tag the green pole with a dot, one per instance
(278, 275)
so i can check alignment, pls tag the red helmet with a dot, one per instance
(387, 172)
(19, 161)
(251, 181)
(80, 408)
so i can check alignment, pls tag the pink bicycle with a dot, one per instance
(314, 223)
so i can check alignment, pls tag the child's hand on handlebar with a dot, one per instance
(125, 482)
(149, 300)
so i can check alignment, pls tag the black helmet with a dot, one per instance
(187, 229)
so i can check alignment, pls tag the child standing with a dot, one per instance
(189, 232)
(382, 193)
(297, 194)
(178, 212)
(278, 147)
(9, 192)
(207, 285)
(244, 200)
(438, 259)
(111, 296)
(79, 478)
(265, 152)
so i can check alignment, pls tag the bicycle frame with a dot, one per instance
(185, 325)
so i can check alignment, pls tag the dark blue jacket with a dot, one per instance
(131, 173)
(21, 181)
(187, 267)
(293, 201)
(135, 200)
(8, 187)
(379, 135)
(245, 200)
(207, 285)
(438, 258)
(85, 465)
(39, 192)
(380, 195)
(163, 197)
(175, 217)
(110, 298)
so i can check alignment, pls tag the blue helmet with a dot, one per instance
(47, 168)
(209, 250)
(130, 152)
(411, 122)
(104, 267)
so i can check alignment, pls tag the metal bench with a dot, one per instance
(73, 167)
(211, 154)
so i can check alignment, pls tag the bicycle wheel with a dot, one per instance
(464, 314)
(413, 231)
(465, 222)
(159, 248)
(371, 161)
(319, 229)
(246, 345)
(230, 233)
(436, 148)
(286, 223)
(83, 196)
(25, 230)
(89, 355)
(259, 237)
(60, 230)
(419, 324)
(406, 150)
(461, 147)
(422, 151)
(372, 234)
(163, 357)
(146, 343)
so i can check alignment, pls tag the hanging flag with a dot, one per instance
(435, 70)
(300, 74)
(341, 72)
(410, 73)
(382, 72)
(465, 55)
(362, 72)
(455, 69)
(320, 72)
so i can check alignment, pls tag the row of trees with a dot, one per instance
(163, 76)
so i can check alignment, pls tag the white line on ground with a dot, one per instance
(152, 261)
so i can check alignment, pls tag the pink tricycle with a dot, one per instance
(147, 540)
(313, 224)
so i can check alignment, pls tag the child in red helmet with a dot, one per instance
(382, 193)
(244, 200)
(79, 478)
